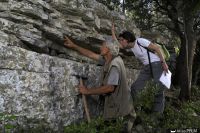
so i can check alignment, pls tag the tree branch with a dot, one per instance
(160, 6)
(172, 14)
(157, 24)
(177, 31)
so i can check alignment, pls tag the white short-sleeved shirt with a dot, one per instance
(141, 53)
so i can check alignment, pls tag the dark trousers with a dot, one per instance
(144, 76)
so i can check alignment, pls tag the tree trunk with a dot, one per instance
(185, 86)
(181, 77)
(179, 64)
(123, 6)
(188, 46)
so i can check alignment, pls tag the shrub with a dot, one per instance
(177, 115)
(96, 125)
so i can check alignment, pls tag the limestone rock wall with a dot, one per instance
(36, 70)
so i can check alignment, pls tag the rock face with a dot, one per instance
(36, 71)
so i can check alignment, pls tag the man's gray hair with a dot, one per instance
(113, 45)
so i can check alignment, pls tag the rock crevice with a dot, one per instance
(36, 70)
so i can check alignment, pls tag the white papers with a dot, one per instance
(165, 79)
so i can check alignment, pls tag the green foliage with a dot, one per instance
(111, 4)
(140, 12)
(5, 122)
(143, 105)
(177, 115)
(186, 116)
(96, 125)
(144, 100)
(8, 124)
(177, 50)
(195, 93)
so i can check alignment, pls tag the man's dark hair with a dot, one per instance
(128, 36)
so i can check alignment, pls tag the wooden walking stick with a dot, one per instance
(85, 103)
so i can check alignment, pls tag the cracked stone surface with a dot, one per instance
(36, 70)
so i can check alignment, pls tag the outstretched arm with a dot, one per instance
(113, 33)
(68, 43)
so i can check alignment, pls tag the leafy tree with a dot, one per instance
(111, 4)
(141, 13)
(181, 17)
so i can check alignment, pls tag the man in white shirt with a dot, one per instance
(154, 65)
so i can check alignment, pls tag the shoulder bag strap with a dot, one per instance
(148, 58)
